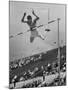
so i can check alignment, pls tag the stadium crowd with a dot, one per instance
(44, 70)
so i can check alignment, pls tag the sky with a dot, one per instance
(20, 46)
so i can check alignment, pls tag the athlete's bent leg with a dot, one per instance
(41, 37)
(31, 39)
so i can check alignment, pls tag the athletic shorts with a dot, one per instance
(34, 33)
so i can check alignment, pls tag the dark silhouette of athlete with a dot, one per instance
(32, 26)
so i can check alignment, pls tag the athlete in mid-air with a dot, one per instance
(32, 26)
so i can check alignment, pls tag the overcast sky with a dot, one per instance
(20, 46)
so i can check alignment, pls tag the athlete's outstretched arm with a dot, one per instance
(24, 18)
(37, 18)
